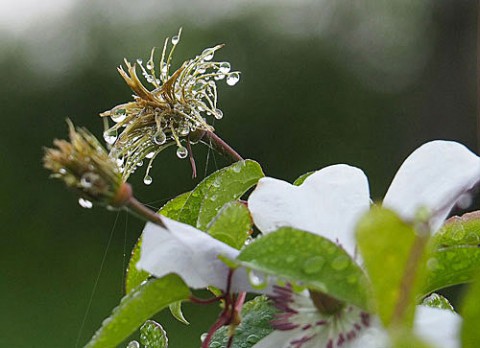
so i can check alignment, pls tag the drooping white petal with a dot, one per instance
(435, 176)
(438, 327)
(328, 203)
(190, 253)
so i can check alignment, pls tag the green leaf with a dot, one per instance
(314, 261)
(133, 276)
(387, 244)
(152, 335)
(136, 307)
(232, 225)
(176, 310)
(455, 254)
(470, 333)
(302, 178)
(255, 324)
(223, 186)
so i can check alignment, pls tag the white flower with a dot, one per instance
(192, 254)
(434, 177)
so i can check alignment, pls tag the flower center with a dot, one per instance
(317, 319)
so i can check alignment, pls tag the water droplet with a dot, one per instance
(147, 180)
(218, 77)
(62, 171)
(85, 203)
(150, 65)
(175, 40)
(201, 70)
(218, 114)
(236, 168)
(207, 54)
(203, 336)
(159, 138)
(253, 339)
(164, 68)
(183, 129)
(182, 152)
(119, 116)
(340, 262)
(88, 179)
(232, 79)
(140, 61)
(110, 136)
(120, 161)
(256, 281)
(150, 155)
(133, 344)
(224, 67)
(313, 264)
(213, 198)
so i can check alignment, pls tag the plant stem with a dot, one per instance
(137, 208)
(210, 138)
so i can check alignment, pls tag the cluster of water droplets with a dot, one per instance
(186, 99)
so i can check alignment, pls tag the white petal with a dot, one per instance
(434, 176)
(328, 203)
(188, 252)
(438, 327)
(373, 337)
(277, 339)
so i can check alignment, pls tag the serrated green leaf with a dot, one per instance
(225, 185)
(455, 254)
(255, 324)
(470, 311)
(136, 307)
(386, 244)
(302, 178)
(176, 310)
(314, 261)
(133, 276)
(232, 225)
(152, 335)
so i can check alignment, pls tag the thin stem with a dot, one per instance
(192, 159)
(221, 146)
(410, 275)
(134, 206)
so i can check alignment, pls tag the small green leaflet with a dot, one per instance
(255, 324)
(316, 262)
(302, 178)
(455, 254)
(136, 307)
(232, 225)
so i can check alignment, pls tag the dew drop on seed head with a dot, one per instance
(232, 79)
(224, 67)
(150, 155)
(147, 180)
(159, 138)
(218, 114)
(110, 136)
(208, 54)
(175, 40)
(182, 152)
(85, 203)
(88, 179)
(118, 117)
(62, 171)
(149, 65)
(139, 61)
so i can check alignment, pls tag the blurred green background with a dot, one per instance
(323, 82)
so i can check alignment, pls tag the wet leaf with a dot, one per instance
(386, 244)
(232, 225)
(136, 307)
(309, 259)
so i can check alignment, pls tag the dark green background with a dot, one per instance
(312, 93)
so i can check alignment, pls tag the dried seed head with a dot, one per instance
(85, 166)
(176, 106)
